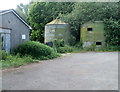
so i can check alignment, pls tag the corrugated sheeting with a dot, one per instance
(57, 29)
(56, 21)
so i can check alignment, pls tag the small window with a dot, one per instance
(89, 29)
(98, 43)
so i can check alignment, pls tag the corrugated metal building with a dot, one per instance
(57, 29)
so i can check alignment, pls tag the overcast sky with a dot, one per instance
(11, 4)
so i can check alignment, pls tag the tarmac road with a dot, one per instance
(80, 71)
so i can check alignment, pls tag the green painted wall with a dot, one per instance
(96, 35)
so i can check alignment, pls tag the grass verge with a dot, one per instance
(104, 49)
(16, 61)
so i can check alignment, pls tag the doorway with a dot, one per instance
(5, 40)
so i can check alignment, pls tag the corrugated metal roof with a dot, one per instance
(56, 21)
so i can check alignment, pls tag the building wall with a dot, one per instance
(57, 31)
(9, 20)
(96, 35)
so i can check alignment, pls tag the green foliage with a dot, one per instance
(90, 11)
(22, 10)
(59, 43)
(113, 48)
(74, 13)
(4, 54)
(72, 40)
(16, 61)
(65, 49)
(77, 50)
(79, 44)
(112, 32)
(35, 35)
(35, 49)
(60, 47)
(27, 53)
(110, 48)
(40, 13)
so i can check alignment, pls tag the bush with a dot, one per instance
(79, 44)
(3, 54)
(72, 40)
(65, 49)
(36, 36)
(59, 46)
(59, 43)
(112, 32)
(35, 49)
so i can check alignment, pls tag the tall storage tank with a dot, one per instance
(57, 29)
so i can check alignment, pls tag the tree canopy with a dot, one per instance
(23, 11)
(90, 11)
(43, 12)
(74, 13)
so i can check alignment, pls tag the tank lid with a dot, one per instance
(56, 21)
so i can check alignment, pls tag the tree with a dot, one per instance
(76, 14)
(90, 11)
(112, 32)
(22, 10)
(43, 12)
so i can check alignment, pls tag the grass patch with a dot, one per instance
(78, 50)
(109, 49)
(16, 61)
(13, 61)
(89, 49)
(65, 49)
(26, 53)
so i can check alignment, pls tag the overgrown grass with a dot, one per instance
(61, 47)
(93, 49)
(26, 53)
(65, 49)
(109, 49)
(16, 61)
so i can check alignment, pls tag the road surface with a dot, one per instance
(80, 71)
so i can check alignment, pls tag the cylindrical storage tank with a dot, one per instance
(57, 29)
